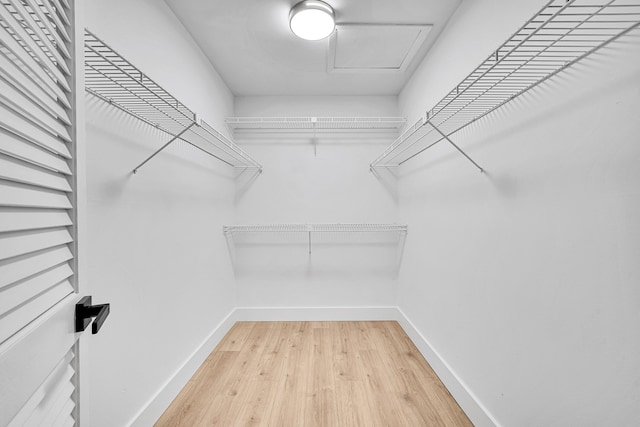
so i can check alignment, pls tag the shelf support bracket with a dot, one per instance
(163, 147)
(456, 147)
(314, 141)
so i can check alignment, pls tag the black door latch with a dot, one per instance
(85, 312)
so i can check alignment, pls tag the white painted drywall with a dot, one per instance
(525, 279)
(155, 251)
(299, 187)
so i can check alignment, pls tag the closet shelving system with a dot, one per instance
(115, 80)
(562, 33)
(316, 124)
(310, 229)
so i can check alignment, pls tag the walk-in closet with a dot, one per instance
(319, 213)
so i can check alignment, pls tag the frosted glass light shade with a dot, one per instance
(312, 20)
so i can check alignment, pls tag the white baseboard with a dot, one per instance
(476, 412)
(317, 314)
(156, 406)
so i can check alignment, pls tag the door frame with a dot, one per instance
(79, 229)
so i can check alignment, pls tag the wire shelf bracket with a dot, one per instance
(446, 137)
(135, 170)
(562, 33)
(113, 79)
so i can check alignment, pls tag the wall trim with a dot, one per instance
(477, 413)
(161, 400)
(475, 410)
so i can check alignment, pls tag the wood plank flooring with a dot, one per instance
(314, 374)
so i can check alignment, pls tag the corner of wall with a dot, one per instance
(161, 400)
(472, 407)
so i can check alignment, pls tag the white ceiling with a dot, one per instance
(250, 44)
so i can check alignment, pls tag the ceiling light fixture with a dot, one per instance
(312, 20)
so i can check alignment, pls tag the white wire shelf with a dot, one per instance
(115, 80)
(309, 229)
(562, 33)
(315, 228)
(316, 124)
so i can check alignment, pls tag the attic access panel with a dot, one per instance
(375, 47)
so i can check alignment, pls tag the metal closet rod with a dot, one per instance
(562, 33)
(113, 79)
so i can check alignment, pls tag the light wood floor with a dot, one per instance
(315, 374)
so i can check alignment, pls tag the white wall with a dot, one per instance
(156, 251)
(299, 187)
(525, 279)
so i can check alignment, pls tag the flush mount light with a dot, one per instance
(312, 20)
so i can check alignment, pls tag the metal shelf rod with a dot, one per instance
(456, 147)
(135, 170)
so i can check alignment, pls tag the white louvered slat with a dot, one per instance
(13, 297)
(25, 151)
(48, 27)
(21, 104)
(15, 124)
(65, 417)
(61, 408)
(17, 64)
(16, 28)
(20, 268)
(67, 422)
(58, 404)
(23, 416)
(37, 33)
(59, 8)
(21, 243)
(43, 96)
(15, 320)
(54, 19)
(21, 195)
(46, 393)
(31, 360)
(18, 171)
(34, 68)
(19, 219)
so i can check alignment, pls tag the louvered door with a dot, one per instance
(38, 140)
